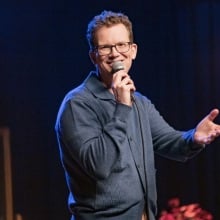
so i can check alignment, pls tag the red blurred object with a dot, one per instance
(176, 211)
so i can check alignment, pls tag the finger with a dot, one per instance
(133, 88)
(213, 114)
(120, 74)
(119, 77)
(129, 83)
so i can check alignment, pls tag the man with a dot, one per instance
(108, 132)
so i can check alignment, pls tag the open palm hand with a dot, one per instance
(207, 130)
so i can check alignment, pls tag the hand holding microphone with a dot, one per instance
(122, 85)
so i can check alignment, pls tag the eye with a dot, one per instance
(121, 44)
(104, 47)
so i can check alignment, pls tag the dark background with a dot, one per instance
(44, 54)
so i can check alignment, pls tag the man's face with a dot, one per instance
(109, 36)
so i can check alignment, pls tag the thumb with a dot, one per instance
(213, 114)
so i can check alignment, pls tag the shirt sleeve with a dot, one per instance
(169, 142)
(94, 145)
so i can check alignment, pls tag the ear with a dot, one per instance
(92, 56)
(134, 51)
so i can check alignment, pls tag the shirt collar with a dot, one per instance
(93, 83)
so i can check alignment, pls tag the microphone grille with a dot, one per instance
(116, 66)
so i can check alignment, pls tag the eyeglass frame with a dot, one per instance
(96, 48)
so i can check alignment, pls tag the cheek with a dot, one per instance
(100, 59)
(131, 56)
(104, 66)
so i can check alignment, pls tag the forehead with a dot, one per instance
(112, 35)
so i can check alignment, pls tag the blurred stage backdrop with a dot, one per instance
(44, 54)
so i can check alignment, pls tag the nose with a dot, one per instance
(114, 51)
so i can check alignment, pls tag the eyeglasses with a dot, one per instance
(121, 47)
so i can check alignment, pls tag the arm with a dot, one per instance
(169, 142)
(94, 145)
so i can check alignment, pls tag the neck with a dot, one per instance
(106, 81)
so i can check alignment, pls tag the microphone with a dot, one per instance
(116, 66)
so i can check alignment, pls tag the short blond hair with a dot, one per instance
(107, 19)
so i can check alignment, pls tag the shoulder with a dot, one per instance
(142, 99)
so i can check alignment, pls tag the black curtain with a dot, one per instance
(44, 54)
